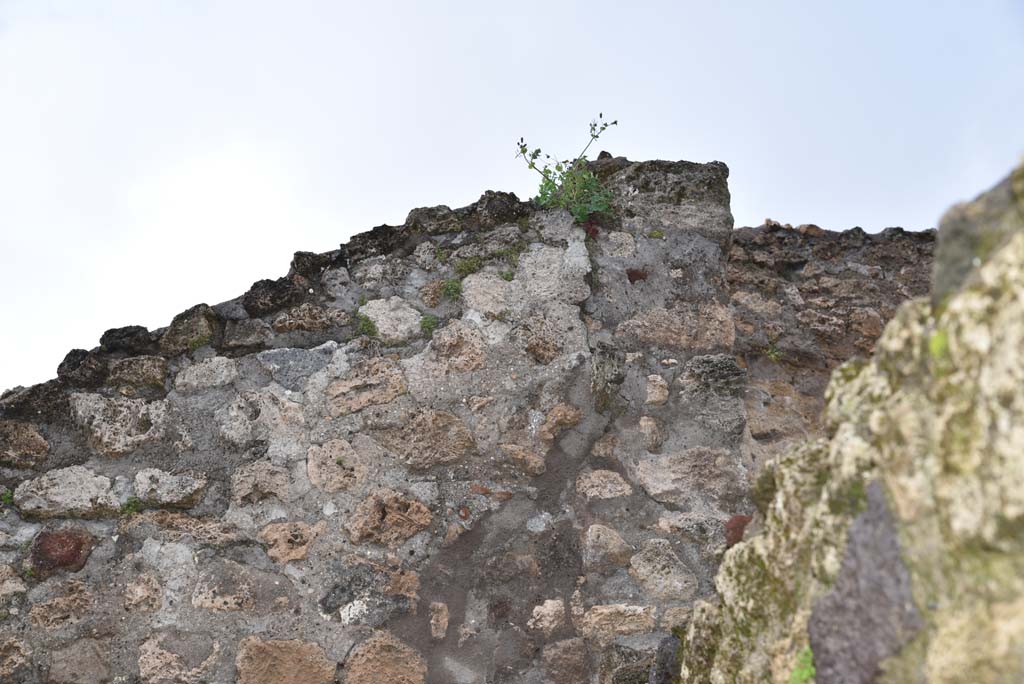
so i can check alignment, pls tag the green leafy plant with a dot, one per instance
(657, 234)
(7, 498)
(452, 288)
(468, 266)
(804, 671)
(773, 353)
(568, 184)
(511, 253)
(428, 324)
(365, 326)
(507, 275)
(132, 506)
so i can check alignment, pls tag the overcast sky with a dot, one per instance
(154, 155)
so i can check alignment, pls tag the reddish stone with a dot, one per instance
(65, 549)
(635, 274)
(734, 529)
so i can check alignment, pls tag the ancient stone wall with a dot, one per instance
(891, 550)
(488, 445)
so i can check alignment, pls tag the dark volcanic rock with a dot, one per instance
(268, 296)
(83, 369)
(191, 329)
(870, 614)
(132, 339)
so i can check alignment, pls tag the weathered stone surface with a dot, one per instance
(548, 617)
(603, 546)
(21, 445)
(900, 530)
(395, 320)
(282, 662)
(459, 347)
(131, 339)
(559, 418)
(174, 657)
(158, 488)
(138, 374)
(216, 372)
(605, 622)
(250, 333)
(82, 369)
(291, 368)
(388, 518)
(15, 657)
(703, 327)
(527, 460)
(267, 296)
(714, 477)
(310, 318)
(438, 620)
(290, 541)
(74, 491)
(566, 661)
(971, 232)
(602, 484)
(661, 572)
(142, 593)
(11, 585)
(383, 659)
(60, 549)
(434, 438)
(491, 459)
(374, 382)
(117, 426)
(191, 329)
(82, 661)
(657, 391)
(851, 631)
(335, 466)
(70, 604)
(227, 586)
(258, 480)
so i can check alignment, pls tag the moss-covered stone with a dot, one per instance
(937, 417)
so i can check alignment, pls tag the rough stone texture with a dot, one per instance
(83, 661)
(21, 445)
(289, 541)
(69, 492)
(157, 488)
(869, 615)
(282, 662)
(335, 466)
(383, 659)
(395, 320)
(971, 232)
(386, 517)
(63, 549)
(190, 330)
(376, 381)
(139, 376)
(891, 551)
(602, 484)
(215, 372)
(401, 504)
(118, 426)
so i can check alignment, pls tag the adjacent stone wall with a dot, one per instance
(891, 551)
(486, 446)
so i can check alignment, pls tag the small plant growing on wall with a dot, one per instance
(568, 183)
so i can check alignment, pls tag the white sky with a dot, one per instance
(154, 155)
